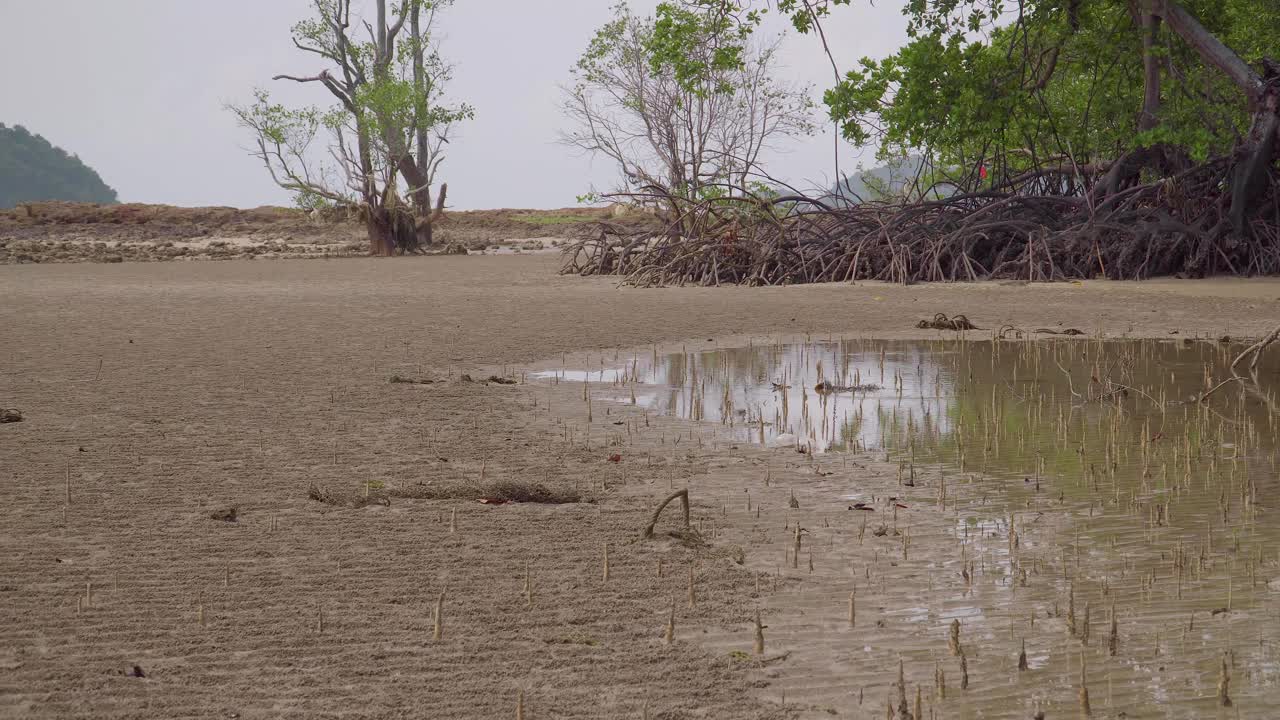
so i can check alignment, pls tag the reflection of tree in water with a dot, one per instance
(1009, 409)
(736, 387)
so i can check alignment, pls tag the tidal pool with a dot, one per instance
(1081, 480)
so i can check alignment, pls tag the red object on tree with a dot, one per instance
(982, 171)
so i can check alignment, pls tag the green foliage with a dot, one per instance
(1021, 82)
(718, 41)
(392, 101)
(694, 128)
(726, 26)
(389, 115)
(32, 169)
(284, 137)
(1067, 81)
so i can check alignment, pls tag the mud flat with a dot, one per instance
(63, 232)
(156, 398)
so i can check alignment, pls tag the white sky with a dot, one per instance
(136, 88)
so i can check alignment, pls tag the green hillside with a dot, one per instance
(33, 169)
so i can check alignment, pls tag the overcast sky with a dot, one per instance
(136, 88)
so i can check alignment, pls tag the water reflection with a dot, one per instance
(982, 405)
(1134, 478)
(816, 396)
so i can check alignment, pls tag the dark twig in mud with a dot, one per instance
(942, 322)
(1049, 331)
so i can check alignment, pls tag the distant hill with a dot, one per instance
(32, 169)
(890, 180)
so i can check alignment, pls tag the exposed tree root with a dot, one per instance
(684, 500)
(1028, 228)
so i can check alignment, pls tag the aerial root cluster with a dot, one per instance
(1177, 225)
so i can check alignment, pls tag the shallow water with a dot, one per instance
(920, 396)
(1127, 491)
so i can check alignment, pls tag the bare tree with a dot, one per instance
(678, 139)
(390, 122)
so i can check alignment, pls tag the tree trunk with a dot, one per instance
(1150, 116)
(420, 88)
(1250, 176)
(425, 219)
(380, 233)
(1210, 48)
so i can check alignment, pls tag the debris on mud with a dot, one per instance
(466, 377)
(10, 415)
(526, 492)
(227, 514)
(499, 492)
(829, 387)
(400, 380)
(942, 322)
(689, 538)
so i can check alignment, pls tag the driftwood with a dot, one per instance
(684, 500)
